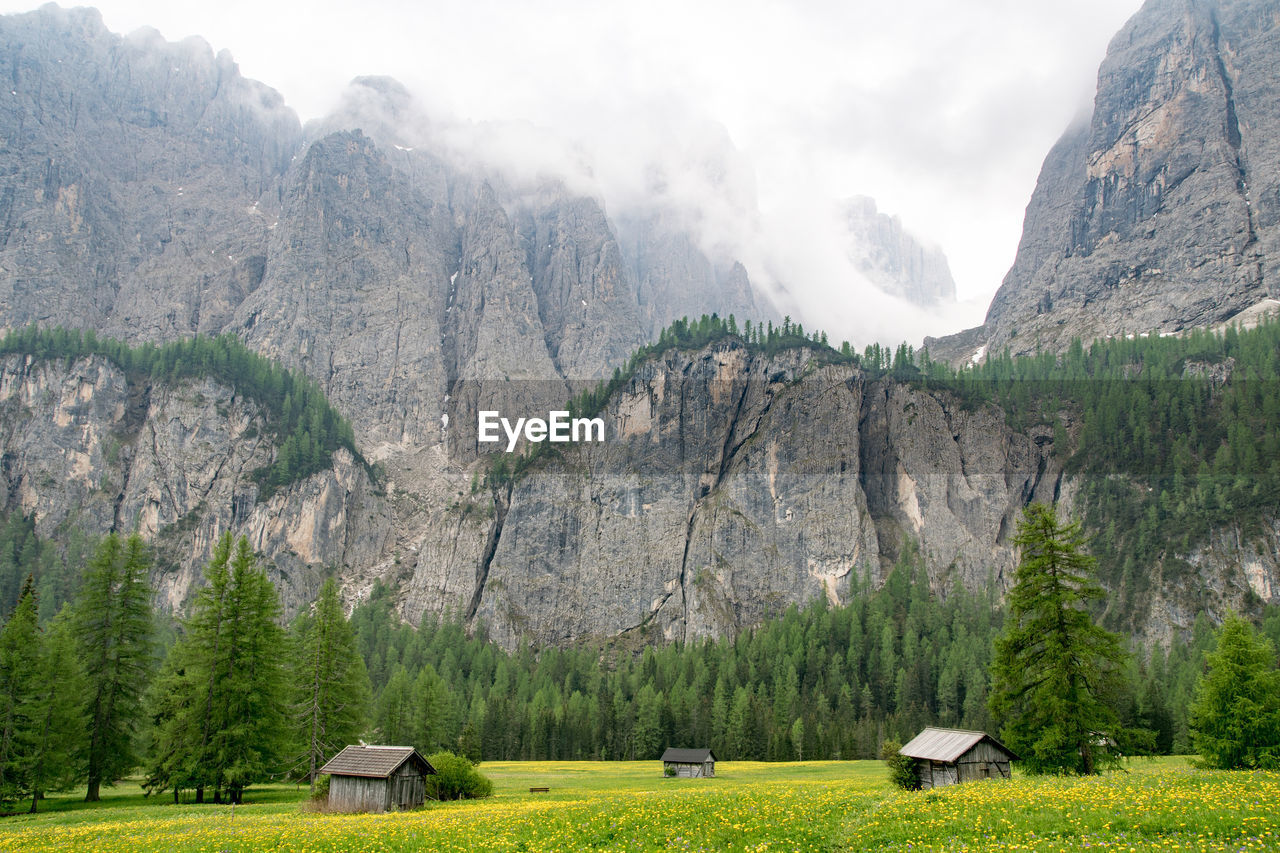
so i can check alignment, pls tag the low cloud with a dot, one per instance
(750, 118)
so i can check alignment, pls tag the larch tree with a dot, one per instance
(251, 739)
(330, 686)
(19, 691)
(182, 702)
(1054, 669)
(1235, 717)
(57, 720)
(221, 717)
(113, 628)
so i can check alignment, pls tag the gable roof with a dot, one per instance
(375, 762)
(946, 745)
(687, 756)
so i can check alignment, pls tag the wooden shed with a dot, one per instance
(950, 756)
(377, 779)
(688, 763)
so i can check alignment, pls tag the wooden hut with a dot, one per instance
(377, 778)
(688, 763)
(950, 756)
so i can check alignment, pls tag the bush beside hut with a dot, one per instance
(456, 778)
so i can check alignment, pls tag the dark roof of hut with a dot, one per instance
(687, 756)
(946, 745)
(375, 762)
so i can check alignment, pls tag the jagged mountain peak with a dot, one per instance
(1161, 214)
(894, 259)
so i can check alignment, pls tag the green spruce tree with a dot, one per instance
(1235, 718)
(20, 679)
(1054, 669)
(247, 742)
(57, 721)
(329, 683)
(221, 717)
(113, 627)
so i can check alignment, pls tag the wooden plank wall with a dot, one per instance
(357, 794)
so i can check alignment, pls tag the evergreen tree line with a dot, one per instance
(237, 699)
(1173, 437)
(70, 691)
(819, 682)
(88, 697)
(55, 571)
(306, 428)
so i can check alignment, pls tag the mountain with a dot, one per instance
(149, 192)
(894, 260)
(1161, 211)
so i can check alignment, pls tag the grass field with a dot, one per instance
(628, 806)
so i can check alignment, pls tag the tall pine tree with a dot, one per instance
(19, 688)
(329, 683)
(1235, 718)
(57, 720)
(1054, 668)
(113, 627)
(221, 717)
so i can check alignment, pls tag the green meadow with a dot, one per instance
(1160, 804)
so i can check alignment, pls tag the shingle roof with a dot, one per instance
(375, 762)
(687, 756)
(947, 745)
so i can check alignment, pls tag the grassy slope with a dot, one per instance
(750, 806)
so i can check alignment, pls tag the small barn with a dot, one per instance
(377, 779)
(688, 763)
(950, 756)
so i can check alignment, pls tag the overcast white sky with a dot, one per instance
(942, 110)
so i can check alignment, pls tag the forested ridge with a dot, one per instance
(1170, 437)
(816, 682)
(306, 428)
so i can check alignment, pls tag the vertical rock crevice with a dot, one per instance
(1234, 139)
(501, 501)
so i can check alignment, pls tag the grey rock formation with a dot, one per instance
(149, 192)
(85, 447)
(732, 484)
(1163, 211)
(675, 278)
(586, 300)
(129, 162)
(892, 259)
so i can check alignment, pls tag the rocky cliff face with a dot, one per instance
(126, 162)
(1162, 212)
(149, 192)
(894, 260)
(732, 484)
(83, 446)
(384, 271)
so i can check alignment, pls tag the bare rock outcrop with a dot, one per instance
(1162, 211)
(85, 447)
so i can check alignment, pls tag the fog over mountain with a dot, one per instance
(749, 123)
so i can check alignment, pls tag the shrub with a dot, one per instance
(902, 768)
(322, 788)
(456, 778)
